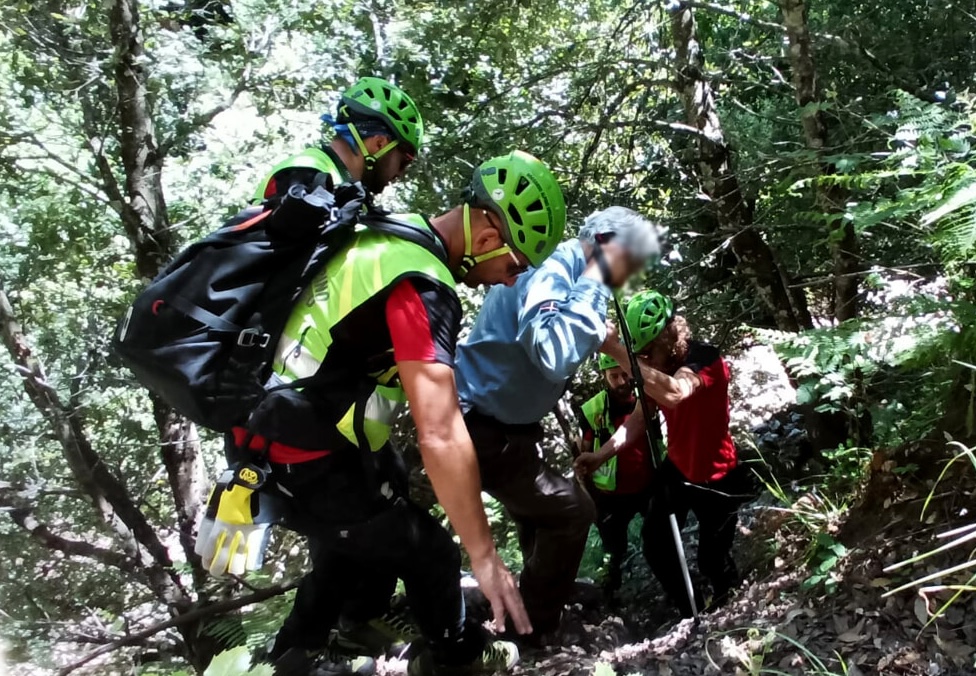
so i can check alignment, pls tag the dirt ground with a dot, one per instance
(780, 623)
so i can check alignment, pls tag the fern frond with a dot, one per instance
(954, 216)
(228, 630)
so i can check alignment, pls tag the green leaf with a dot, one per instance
(806, 393)
(963, 197)
(827, 564)
(236, 662)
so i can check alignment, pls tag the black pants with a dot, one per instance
(552, 513)
(715, 505)
(614, 514)
(360, 543)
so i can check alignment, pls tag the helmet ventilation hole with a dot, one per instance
(516, 217)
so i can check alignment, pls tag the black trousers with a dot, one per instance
(614, 514)
(552, 513)
(715, 505)
(360, 543)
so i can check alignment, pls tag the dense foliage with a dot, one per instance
(813, 166)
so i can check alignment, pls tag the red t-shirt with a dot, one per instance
(634, 461)
(699, 442)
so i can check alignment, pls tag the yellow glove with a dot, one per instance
(235, 529)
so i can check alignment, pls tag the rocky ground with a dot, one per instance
(790, 617)
(780, 624)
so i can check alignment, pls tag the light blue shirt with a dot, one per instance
(529, 339)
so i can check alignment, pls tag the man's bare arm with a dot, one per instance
(452, 465)
(669, 391)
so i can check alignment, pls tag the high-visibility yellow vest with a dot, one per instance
(310, 158)
(371, 264)
(597, 413)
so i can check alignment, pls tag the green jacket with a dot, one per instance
(314, 160)
(597, 413)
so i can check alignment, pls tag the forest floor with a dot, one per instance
(785, 619)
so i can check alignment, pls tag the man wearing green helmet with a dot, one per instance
(689, 382)
(620, 487)
(376, 327)
(379, 131)
(525, 346)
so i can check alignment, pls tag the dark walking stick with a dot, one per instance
(638, 380)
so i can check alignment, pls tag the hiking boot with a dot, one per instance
(497, 656)
(328, 662)
(388, 634)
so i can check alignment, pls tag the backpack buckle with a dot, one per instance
(253, 338)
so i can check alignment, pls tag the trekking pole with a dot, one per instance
(638, 380)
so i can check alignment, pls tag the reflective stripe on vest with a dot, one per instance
(371, 264)
(310, 158)
(597, 414)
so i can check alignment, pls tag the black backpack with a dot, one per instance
(202, 335)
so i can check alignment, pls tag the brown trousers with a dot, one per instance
(552, 513)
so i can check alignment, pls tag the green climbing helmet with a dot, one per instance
(606, 362)
(378, 99)
(526, 196)
(647, 313)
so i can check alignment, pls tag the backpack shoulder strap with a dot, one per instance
(381, 222)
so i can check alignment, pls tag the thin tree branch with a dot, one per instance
(184, 618)
(89, 190)
(84, 183)
(203, 119)
(745, 17)
(22, 513)
(108, 494)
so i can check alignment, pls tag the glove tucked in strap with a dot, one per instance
(235, 529)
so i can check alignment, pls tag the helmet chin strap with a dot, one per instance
(468, 261)
(369, 159)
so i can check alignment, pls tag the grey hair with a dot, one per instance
(636, 234)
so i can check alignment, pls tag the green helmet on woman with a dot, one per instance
(647, 313)
(525, 195)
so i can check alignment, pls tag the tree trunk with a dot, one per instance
(183, 460)
(756, 260)
(146, 223)
(144, 214)
(830, 198)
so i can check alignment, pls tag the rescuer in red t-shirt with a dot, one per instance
(689, 382)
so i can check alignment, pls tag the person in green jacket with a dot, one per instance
(621, 486)
(377, 327)
(378, 132)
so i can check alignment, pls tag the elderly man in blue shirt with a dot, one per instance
(527, 343)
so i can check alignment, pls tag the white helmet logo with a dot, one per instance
(375, 105)
(498, 194)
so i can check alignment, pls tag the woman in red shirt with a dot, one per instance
(689, 381)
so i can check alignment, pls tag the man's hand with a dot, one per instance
(587, 463)
(499, 587)
(611, 344)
